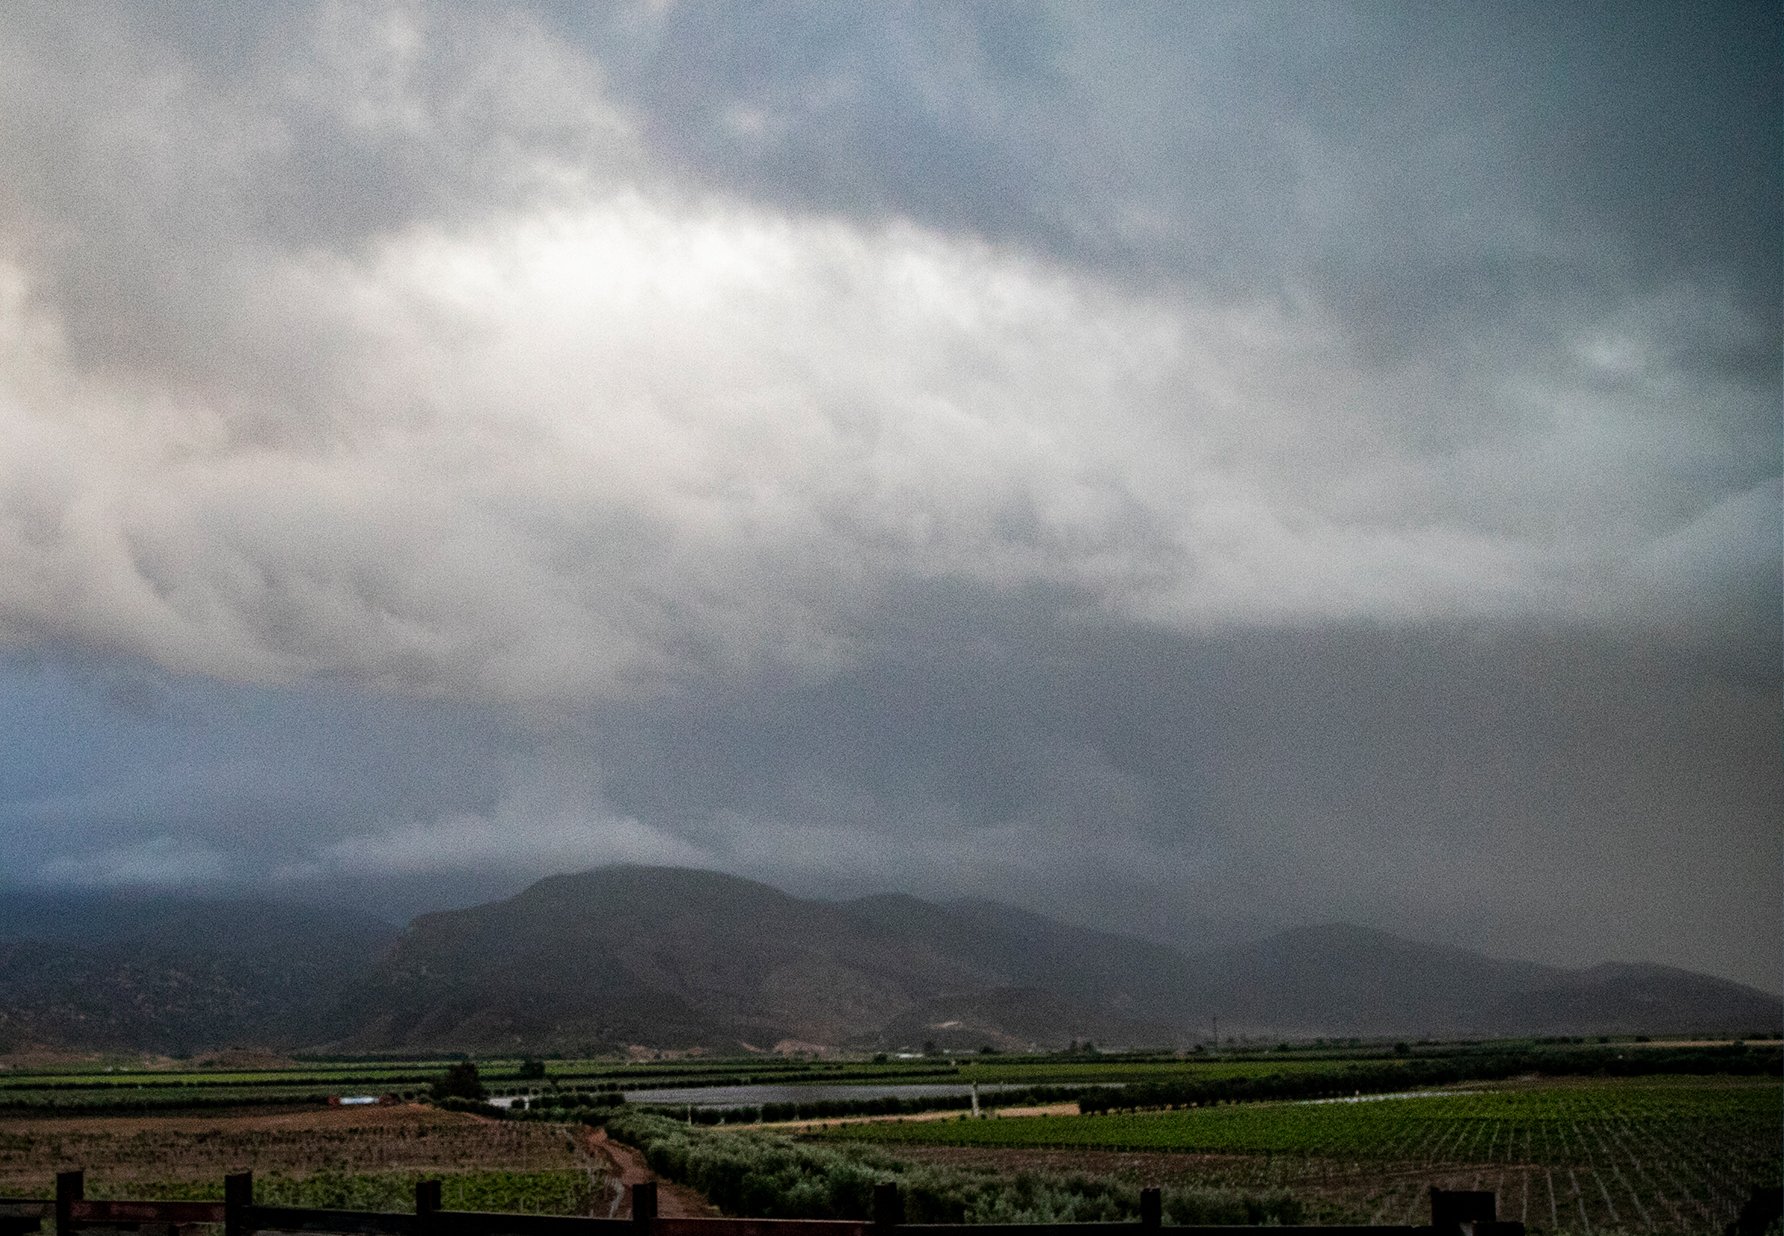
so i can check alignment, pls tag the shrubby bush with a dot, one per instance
(475, 1106)
(756, 1175)
(460, 1081)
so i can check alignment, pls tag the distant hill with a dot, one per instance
(171, 974)
(1354, 981)
(670, 957)
(1633, 999)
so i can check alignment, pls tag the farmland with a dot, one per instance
(358, 1158)
(127, 1088)
(1645, 1155)
(1568, 1140)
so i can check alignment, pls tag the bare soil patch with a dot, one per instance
(114, 1150)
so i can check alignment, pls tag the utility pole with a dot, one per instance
(1217, 1034)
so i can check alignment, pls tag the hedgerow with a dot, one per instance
(756, 1175)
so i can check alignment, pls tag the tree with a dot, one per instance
(460, 1082)
(531, 1069)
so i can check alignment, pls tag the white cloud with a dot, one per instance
(586, 433)
(567, 452)
(568, 840)
(552, 816)
(157, 861)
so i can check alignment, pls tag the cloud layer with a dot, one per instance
(587, 380)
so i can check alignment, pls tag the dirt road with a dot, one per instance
(629, 1168)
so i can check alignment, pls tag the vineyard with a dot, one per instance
(366, 1159)
(1567, 1139)
(1634, 1156)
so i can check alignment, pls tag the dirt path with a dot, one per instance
(627, 1164)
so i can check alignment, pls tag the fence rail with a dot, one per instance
(1453, 1213)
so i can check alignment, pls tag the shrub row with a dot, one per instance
(756, 1175)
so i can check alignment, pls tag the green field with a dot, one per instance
(1641, 1155)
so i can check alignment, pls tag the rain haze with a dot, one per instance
(1189, 469)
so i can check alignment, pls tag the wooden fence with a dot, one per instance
(1453, 1213)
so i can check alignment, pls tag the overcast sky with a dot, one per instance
(1190, 467)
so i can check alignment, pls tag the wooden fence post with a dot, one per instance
(71, 1187)
(888, 1206)
(238, 1195)
(1152, 1210)
(1451, 1208)
(427, 1205)
(644, 1206)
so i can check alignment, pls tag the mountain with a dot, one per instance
(1634, 999)
(677, 958)
(1354, 981)
(1341, 980)
(175, 974)
(670, 957)
(1123, 976)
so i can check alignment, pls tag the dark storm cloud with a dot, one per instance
(1540, 794)
(1179, 463)
(1422, 170)
(118, 773)
(1544, 793)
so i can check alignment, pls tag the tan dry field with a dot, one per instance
(1671, 1043)
(799, 1126)
(115, 1150)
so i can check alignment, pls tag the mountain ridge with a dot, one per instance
(677, 957)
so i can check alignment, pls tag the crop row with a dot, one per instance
(1660, 1157)
(560, 1192)
(1480, 1124)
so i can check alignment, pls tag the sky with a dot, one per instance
(1190, 469)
